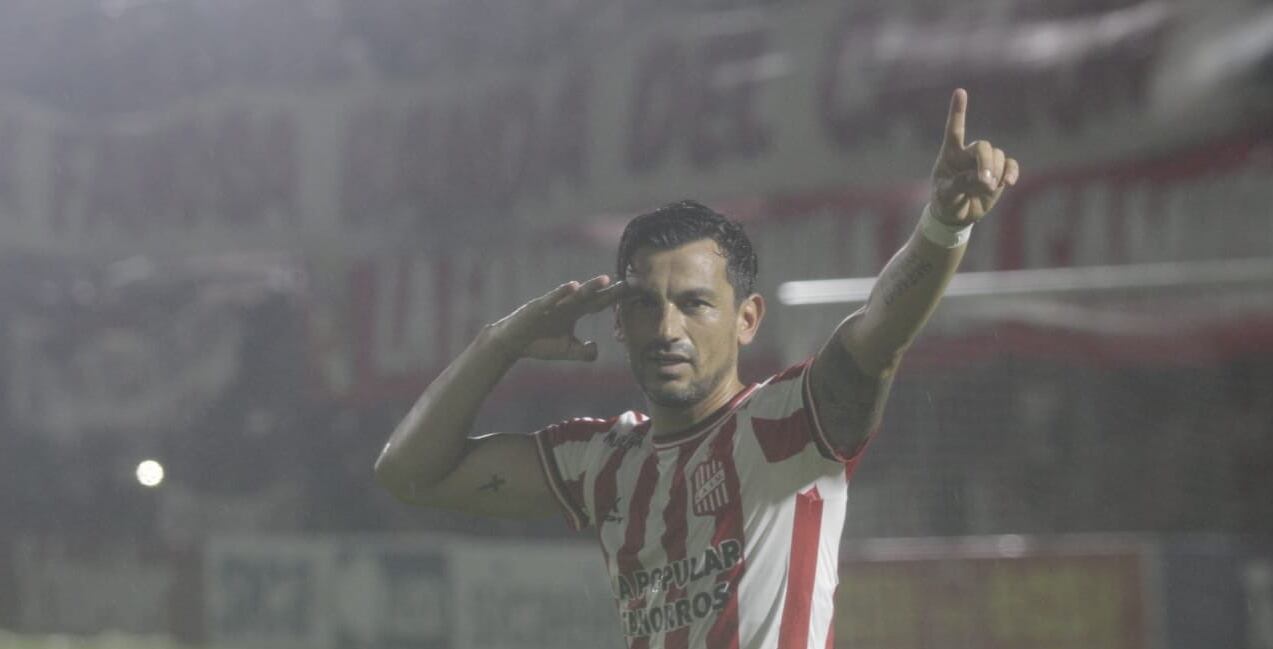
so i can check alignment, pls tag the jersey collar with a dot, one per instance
(707, 423)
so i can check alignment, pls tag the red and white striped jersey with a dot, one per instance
(725, 537)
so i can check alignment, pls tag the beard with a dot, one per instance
(680, 396)
(683, 396)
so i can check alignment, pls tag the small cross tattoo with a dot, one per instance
(494, 485)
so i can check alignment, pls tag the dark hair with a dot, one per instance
(677, 224)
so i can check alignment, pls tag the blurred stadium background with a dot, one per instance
(238, 238)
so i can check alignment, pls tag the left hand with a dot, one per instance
(967, 180)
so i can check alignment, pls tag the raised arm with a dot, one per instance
(851, 375)
(430, 459)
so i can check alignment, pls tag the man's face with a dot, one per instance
(680, 322)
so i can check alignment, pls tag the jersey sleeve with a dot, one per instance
(565, 450)
(786, 424)
(849, 456)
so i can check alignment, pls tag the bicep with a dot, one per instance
(499, 475)
(849, 400)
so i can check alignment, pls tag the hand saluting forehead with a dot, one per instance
(968, 179)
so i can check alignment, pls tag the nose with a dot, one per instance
(671, 324)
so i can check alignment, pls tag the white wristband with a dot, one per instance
(946, 236)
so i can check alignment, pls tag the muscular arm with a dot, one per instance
(430, 460)
(852, 374)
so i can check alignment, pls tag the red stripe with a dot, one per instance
(729, 524)
(604, 490)
(675, 531)
(790, 373)
(634, 534)
(638, 511)
(806, 530)
(557, 482)
(780, 439)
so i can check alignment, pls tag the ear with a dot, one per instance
(750, 313)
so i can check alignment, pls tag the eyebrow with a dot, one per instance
(702, 293)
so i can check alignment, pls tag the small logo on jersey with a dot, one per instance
(612, 516)
(707, 484)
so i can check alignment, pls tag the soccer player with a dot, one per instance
(720, 512)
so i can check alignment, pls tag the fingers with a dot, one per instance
(956, 190)
(969, 179)
(968, 183)
(954, 138)
(582, 351)
(984, 155)
(997, 160)
(1011, 172)
(555, 296)
(991, 163)
(994, 169)
(606, 296)
(574, 299)
(591, 296)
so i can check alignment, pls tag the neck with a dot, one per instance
(666, 421)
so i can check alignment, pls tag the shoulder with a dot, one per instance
(591, 430)
(780, 395)
(785, 421)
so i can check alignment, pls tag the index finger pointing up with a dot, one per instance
(954, 140)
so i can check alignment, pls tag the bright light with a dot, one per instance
(150, 473)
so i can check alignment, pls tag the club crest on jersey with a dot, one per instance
(707, 485)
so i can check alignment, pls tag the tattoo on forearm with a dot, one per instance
(910, 271)
(494, 485)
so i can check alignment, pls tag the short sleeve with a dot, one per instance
(786, 424)
(564, 450)
(848, 456)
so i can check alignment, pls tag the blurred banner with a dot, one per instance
(948, 596)
(381, 326)
(139, 346)
(430, 186)
(61, 587)
(374, 592)
(1007, 592)
(615, 113)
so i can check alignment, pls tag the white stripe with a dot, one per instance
(653, 554)
(549, 476)
(834, 489)
(778, 401)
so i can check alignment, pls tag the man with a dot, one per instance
(719, 513)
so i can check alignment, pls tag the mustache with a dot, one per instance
(658, 349)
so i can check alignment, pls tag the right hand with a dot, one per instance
(544, 328)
